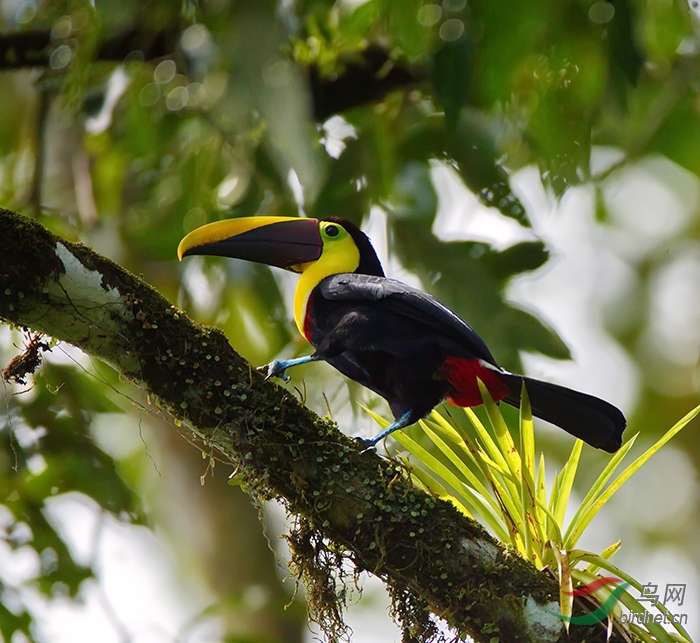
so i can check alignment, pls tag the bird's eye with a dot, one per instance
(332, 231)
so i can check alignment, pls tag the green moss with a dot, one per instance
(28, 258)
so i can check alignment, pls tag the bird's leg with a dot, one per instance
(332, 345)
(401, 423)
(277, 367)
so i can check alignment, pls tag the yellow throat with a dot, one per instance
(340, 254)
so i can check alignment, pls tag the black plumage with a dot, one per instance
(396, 341)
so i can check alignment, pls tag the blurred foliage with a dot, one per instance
(47, 450)
(159, 117)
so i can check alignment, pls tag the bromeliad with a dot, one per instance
(396, 340)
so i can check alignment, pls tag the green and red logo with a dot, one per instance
(607, 606)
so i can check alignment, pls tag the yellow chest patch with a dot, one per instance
(340, 254)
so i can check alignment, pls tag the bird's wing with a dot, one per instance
(409, 303)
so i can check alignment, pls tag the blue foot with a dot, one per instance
(277, 367)
(401, 423)
(368, 444)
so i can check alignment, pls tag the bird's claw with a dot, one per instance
(274, 369)
(369, 445)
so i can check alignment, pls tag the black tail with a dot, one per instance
(595, 421)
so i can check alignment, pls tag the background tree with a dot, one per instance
(129, 124)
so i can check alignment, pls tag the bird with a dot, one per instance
(396, 340)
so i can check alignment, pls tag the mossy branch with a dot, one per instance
(349, 504)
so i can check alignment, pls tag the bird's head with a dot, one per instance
(335, 244)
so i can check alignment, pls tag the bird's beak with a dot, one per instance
(285, 242)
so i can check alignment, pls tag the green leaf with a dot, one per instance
(541, 485)
(11, 622)
(445, 429)
(564, 483)
(408, 33)
(451, 76)
(506, 446)
(678, 137)
(533, 514)
(433, 486)
(414, 195)
(527, 438)
(472, 147)
(591, 508)
(354, 27)
(519, 258)
(494, 466)
(489, 445)
(573, 532)
(606, 554)
(455, 458)
(566, 595)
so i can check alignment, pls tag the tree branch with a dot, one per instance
(364, 79)
(34, 48)
(351, 502)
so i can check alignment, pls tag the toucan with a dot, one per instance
(396, 340)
